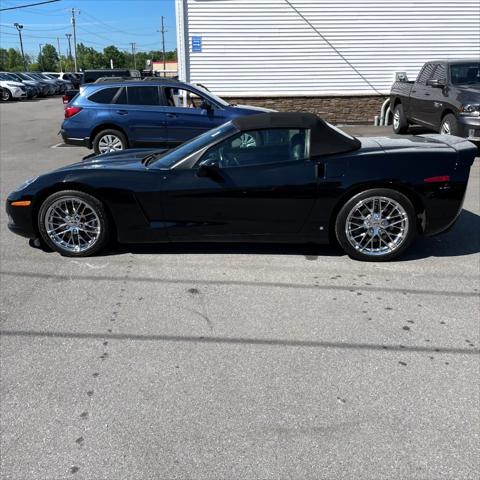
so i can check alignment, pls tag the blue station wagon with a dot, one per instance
(112, 116)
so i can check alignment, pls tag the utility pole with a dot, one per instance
(19, 30)
(69, 36)
(74, 37)
(133, 53)
(40, 59)
(59, 54)
(163, 48)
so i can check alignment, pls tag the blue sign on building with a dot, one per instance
(196, 44)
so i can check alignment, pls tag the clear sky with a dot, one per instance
(100, 23)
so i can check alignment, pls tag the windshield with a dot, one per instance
(465, 73)
(214, 97)
(172, 157)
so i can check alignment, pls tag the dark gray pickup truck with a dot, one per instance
(445, 97)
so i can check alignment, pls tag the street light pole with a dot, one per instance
(19, 30)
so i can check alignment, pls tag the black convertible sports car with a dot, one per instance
(274, 177)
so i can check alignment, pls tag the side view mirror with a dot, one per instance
(212, 171)
(436, 83)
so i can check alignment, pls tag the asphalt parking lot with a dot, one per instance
(233, 361)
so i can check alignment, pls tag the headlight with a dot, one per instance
(471, 109)
(25, 184)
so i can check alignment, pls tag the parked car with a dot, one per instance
(45, 88)
(445, 97)
(301, 180)
(117, 115)
(12, 90)
(31, 88)
(92, 76)
(57, 87)
(64, 84)
(70, 77)
(50, 85)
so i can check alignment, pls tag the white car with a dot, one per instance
(12, 89)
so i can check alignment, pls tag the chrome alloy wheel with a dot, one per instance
(377, 226)
(445, 129)
(72, 224)
(396, 120)
(110, 143)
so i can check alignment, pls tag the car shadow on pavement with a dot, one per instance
(462, 239)
(309, 251)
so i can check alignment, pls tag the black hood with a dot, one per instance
(128, 154)
(469, 93)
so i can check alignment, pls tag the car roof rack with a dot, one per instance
(116, 79)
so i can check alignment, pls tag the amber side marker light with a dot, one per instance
(439, 179)
(21, 203)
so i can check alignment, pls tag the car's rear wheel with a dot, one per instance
(400, 122)
(73, 223)
(449, 125)
(376, 225)
(108, 141)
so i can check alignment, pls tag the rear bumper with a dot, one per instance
(79, 142)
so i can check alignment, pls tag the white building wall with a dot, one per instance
(266, 48)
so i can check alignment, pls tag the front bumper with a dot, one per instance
(20, 219)
(19, 93)
(79, 142)
(470, 127)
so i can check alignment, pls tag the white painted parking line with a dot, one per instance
(58, 145)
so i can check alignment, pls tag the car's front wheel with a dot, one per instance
(376, 225)
(73, 223)
(108, 141)
(449, 125)
(6, 95)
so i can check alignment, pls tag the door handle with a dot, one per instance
(427, 94)
(414, 91)
(171, 115)
(122, 112)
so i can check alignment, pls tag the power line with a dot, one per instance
(365, 79)
(28, 5)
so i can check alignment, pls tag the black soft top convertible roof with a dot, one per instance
(324, 139)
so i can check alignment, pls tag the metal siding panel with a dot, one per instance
(266, 48)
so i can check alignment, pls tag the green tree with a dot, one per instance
(14, 60)
(3, 59)
(88, 57)
(48, 58)
(118, 57)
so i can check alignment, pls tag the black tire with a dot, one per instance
(344, 223)
(449, 125)
(108, 132)
(6, 95)
(400, 122)
(101, 219)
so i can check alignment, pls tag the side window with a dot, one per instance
(182, 98)
(121, 98)
(257, 147)
(440, 72)
(143, 95)
(105, 95)
(425, 73)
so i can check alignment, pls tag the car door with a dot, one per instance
(143, 114)
(420, 95)
(235, 190)
(189, 113)
(438, 96)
